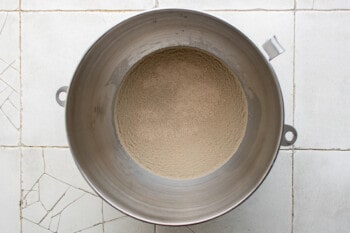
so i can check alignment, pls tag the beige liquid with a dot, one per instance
(181, 113)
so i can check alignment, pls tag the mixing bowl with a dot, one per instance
(104, 162)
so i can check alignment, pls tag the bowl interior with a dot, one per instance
(110, 170)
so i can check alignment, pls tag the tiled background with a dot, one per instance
(41, 43)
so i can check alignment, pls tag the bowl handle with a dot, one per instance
(59, 99)
(289, 129)
(273, 48)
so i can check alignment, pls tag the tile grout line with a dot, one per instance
(282, 149)
(20, 76)
(293, 202)
(20, 188)
(38, 146)
(294, 27)
(20, 113)
(76, 11)
(103, 217)
(20, 46)
(208, 10)
(156, 3)
(102, 11)
(276, 10)
(293, 119)
(320, 149)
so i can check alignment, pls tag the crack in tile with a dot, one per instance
(3, 90)
(111, 220)
(32, 188)
(43, 157)
(26, 206)
(59, 199)
(31, 200)
(59, 214)
(43, 207)
(190, 229)
(50, 223)
(14, 68)
(9, 85)
(58, 223)
(8, 118)
(96, 224)
(36, 224)
(94, 194)
(9, 101)
(2, 104)
(39, 186)
(7, 67)
(13, 105)
(3, 24)
(75, 200)
(103, 217)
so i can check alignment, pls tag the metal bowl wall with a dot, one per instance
(110, 170)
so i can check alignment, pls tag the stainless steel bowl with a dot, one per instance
(109, 169)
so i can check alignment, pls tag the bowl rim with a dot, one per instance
(151, 219)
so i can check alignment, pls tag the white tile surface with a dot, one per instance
(31, 198)
(322, 190)
(59, 164)
(95, 229)
(322, 110)
(322, 4)
(49, 222)
(110, 213)
(32, 167)
(67, 199)
(128, 225)
(224, 4)
(53, 222)
(55, 196)
(9, 4)
(269, 209)
(116, 221)
(86, 4)
(53, 45)
(9, 77)
(35, 212)
(51, 191)
(30, 227)
(305, 4)
(10, 190)
(166, 229)
(261, 26)
(35, 75)
(84, 213)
